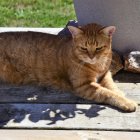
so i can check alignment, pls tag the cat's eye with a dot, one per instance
(83, 49)
(100, 48)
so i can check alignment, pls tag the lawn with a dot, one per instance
(36, 13)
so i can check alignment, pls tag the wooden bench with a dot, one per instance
(44, 113)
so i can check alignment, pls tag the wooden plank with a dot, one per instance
(21, 29)
(67, 116)
(28, 94)
(66, 135)
(131, 90)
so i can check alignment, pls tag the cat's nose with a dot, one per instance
(91, 55)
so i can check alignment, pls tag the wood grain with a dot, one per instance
(30, 94)
(66, 135)
(67, 116)
(20, 29)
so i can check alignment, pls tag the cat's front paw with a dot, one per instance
(121, 93)
(129, 106)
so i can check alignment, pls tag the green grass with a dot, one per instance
(36, 13)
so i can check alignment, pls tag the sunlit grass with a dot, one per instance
(36, 13)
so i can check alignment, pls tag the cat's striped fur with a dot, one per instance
(79, 63)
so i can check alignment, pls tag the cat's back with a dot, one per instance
(26, 48)
(24, 34)
(20, 39)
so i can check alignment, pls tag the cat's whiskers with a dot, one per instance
(79, 66)
(90, 61)
(100, 61)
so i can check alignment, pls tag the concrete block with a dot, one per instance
(124, 14)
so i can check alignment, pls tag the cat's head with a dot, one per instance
(91, 41)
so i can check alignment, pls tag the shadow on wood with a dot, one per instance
(127, 77)
(50, 113)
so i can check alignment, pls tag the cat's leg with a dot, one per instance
(99, 94)
(108, 82)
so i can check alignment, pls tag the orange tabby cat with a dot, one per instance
(79, 63)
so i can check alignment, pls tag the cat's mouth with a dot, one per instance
(95, 60)
(90, 61)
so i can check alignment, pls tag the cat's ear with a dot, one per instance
(74, 31)
(109, 31)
